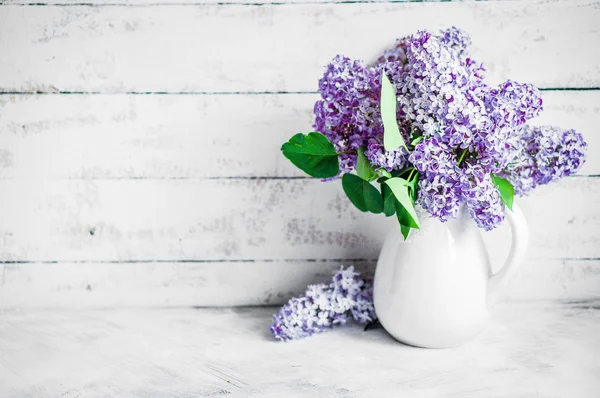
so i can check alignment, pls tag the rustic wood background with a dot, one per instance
(139, 146)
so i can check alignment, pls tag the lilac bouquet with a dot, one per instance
(424, 125)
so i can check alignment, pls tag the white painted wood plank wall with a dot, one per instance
(139, 146)
(274, 48)
(191, 136)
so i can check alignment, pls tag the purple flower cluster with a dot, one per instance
(465, 125)
(389, 160)
(348, 114)
(469, 130)
(543, 154)
(323, 306)
(457, 39)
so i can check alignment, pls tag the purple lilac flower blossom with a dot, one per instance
(438, 195)
(394, 54)
(456, 38)
(442, 96)
(543, 154)
(389, 160)
(323, 306)
(481, 196)
(348, 114)
(433, 157)
(464, 122)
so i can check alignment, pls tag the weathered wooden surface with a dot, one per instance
(123, 220)
(231, 283)
(192, 136)
(526, 351)
(273, 48)
(203, 2)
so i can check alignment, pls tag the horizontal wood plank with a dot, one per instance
(122, 220)
(149, 136)
(147, 284)
(240, 48)
(192, 136)
(134, 3)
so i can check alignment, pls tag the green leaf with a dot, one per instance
(507, 192)
(416, 140)
(413, 184)
(404, 217)
(384, 173)
(392, 139)
(405, 231)
(389, 200)
(362, 194)
(313, 154)
(399, 187)
(363, 167)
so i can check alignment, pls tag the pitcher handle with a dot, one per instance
(520, 239)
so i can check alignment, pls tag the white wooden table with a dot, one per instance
(528, 350)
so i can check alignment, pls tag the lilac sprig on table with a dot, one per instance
(425, 126)
(324, 306)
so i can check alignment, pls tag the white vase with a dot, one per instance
(435, 289)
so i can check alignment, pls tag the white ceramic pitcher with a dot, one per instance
(435, 289)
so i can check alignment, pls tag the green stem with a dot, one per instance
(462, 156)
(411, 174)
(406, 170)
